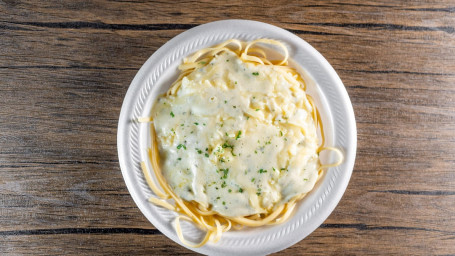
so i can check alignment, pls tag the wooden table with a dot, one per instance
(65, 67)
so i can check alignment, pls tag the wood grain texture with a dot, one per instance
(65, 67)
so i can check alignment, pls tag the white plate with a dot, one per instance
(156, 75)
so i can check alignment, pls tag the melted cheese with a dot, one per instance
(237, 137)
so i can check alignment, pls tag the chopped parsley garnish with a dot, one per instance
(218, 198)
(225, 145)
(257, 109)
(227, 60)
(172, 114)
(224, 203)
(238, 135)
(281, 133)
(179, 158)
(206, 155)
(235, 82)
(199, 151)
(252, 180)
(202, 62)
(224, 184)
(240, 190)
(180, 146)
(196, 123)
(259, 191)
(262, 171)
(225, 173)
(229, 190)
(225, 102)
(255, 73)
(305, 179)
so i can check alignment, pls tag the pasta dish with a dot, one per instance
(234, 140)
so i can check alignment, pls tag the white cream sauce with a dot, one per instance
(237, 137)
